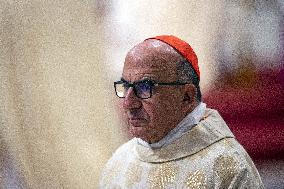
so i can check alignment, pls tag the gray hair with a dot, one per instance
(186, 74)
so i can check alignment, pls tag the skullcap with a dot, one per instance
(182, 48)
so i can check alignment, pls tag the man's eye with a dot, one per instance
(144, 85)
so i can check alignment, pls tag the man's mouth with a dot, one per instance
(136, 122)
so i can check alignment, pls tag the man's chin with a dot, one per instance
(138, 131)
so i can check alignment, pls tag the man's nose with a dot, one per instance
(131, 100)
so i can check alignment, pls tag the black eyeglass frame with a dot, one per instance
(151, 82)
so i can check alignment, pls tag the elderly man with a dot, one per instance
(178, 142)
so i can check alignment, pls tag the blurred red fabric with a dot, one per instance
(255, 114)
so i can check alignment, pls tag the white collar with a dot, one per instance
(186, 124)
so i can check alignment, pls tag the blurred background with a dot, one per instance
(59, 121)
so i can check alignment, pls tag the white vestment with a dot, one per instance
(206, 156)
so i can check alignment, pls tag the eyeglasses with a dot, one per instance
(142, 89)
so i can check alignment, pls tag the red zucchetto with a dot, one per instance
(182, 48)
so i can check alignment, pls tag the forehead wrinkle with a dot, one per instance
(158, 76)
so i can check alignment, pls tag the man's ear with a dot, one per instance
(186, 97)
(189, 93)
(189, 98)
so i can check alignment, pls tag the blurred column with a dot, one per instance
(250, 32)
(56, 116)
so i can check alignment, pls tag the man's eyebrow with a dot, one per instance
(145, 78)
(151, 78)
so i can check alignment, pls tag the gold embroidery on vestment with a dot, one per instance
(133, 173)
(196, 180)
(162, 175)
(225, 167)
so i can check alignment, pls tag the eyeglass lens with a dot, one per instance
(142, 89)
(120, 89)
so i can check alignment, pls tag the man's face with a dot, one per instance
(151, 119)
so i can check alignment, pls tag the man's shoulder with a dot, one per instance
(232, 162)
(212, 114)
(228, 147)
(227, 163)
(215, 125)
(118, 161)
(123, 152)
(125, 147)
